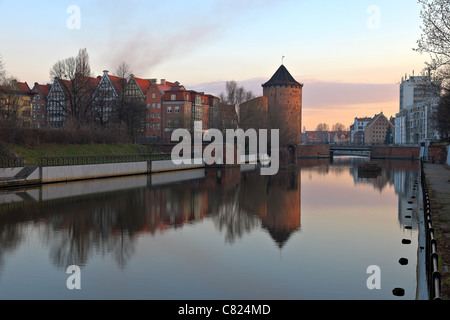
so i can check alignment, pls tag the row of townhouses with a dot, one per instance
(169, 105)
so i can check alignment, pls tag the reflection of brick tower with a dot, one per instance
(284, 96)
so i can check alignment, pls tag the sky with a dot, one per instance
(349, 54)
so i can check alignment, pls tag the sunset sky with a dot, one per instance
(350, 54)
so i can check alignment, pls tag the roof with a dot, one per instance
(17, 87)
(143, 84)
(118, 83)
(44, 88)
(282, 77)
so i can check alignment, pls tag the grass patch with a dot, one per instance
(31, 155)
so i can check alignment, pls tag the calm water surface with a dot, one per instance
(310, 233)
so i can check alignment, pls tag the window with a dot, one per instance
(169, 109)
(148, 105)
(159, 105)
(148, 126)
(169, 123)
(39, 97)
(177, 109)
(158, 125)
(148, 115)
(153, 95)
(153, 126)
(153, 105)
(153, 116)
(173, 97)
(159, 115)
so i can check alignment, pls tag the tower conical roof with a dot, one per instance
(282, 77)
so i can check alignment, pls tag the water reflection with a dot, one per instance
(79, 222)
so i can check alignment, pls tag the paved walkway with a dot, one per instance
(438, 180)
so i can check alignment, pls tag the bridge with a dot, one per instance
(350, 150)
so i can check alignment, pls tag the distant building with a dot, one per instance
(315, 137)
(106, 97)
(357, 130)
(377, 129)
(66, 100)
(284, 96)
(418, 101)
(15, 103)
(39, 105)
(154, 102)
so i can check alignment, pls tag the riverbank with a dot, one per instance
(438, 181)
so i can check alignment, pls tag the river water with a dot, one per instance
(304, 234)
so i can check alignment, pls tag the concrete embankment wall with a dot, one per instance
(314, 151)
(53, 174)
(395, 152)
(92, 171)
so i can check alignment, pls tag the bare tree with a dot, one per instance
(123, 72)
(234, 94)
(338, 127)
(2, 71)
(435, 39)
(78, 87)
(323, 127)
(134, 117)
(9, 103)
(441, 118)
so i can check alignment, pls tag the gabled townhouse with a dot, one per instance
(176, 111)
(376, 130)
(154, 101)
(39, 105)
(357, 130)
(15, 102)
(106, 97)
(70, 99)
(136, 89)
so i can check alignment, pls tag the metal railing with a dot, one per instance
(84, 160)
(10, 162)
(431, 254)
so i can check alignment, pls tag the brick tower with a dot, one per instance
(284, 96)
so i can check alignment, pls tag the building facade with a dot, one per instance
(15, 103)
(419, 98)
(154, 102)
(39, 105)
(377, 129)
(284, 96)
(357, 130)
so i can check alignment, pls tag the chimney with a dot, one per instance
(153, 81)
(105, 72)
(163, 81)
